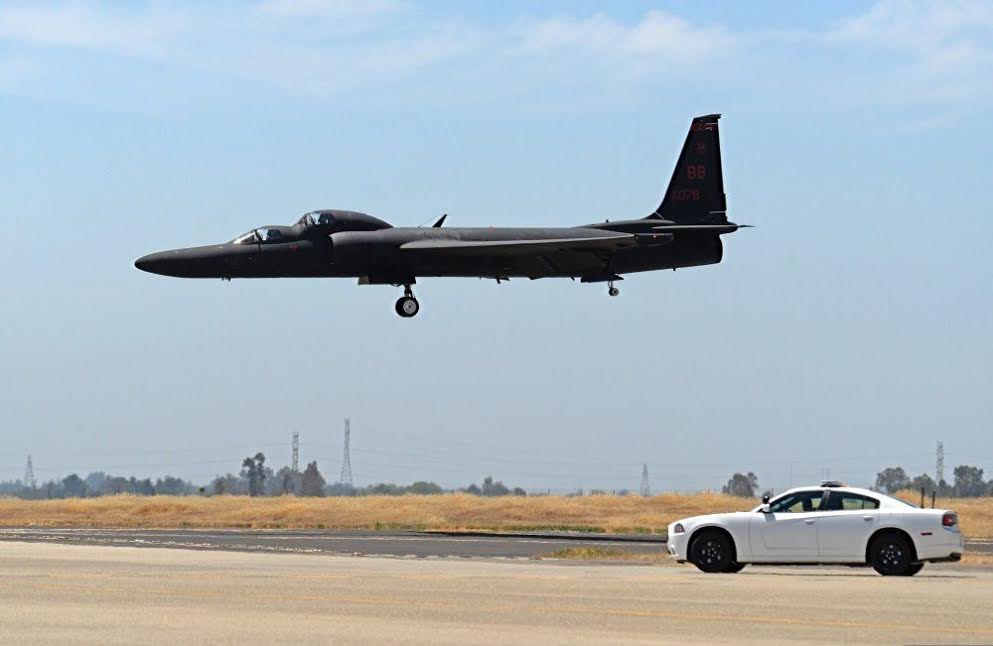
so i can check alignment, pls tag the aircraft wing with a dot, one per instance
(593, 243)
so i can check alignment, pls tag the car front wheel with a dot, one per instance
(712, 552)
(890, 555)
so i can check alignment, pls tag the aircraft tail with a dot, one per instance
(696, 190)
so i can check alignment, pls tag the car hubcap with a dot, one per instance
(711, 552)
(891, 555)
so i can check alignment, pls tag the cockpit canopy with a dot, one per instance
(265, 235)
(316, 218)
(322, 222)
(337, 220)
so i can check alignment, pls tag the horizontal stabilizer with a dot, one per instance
(709, 228)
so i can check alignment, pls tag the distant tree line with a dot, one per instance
(968, 482)
(254, 479)
(742, 484)
(97, 484)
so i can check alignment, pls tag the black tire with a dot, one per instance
(914, 569)
(712, 552)
(891, 555)
(734, 568)
(407, 306)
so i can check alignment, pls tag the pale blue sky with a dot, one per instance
(850, 330)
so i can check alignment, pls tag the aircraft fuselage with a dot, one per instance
(376, 256)
(684, 231)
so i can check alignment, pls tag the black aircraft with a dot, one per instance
(684, 231)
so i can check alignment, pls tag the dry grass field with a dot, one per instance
(620, 514)
(607, 513)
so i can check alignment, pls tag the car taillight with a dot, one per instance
(950, 519)
(678, 529)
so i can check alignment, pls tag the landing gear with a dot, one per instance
(407, 306)
(611, 290)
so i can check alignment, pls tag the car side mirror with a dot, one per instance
(766, 508)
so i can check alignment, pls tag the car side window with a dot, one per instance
(799, 502)
(843, 501)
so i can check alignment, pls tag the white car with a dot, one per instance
(831, 523)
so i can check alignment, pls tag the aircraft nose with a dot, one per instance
(195, 262)
(152, 263)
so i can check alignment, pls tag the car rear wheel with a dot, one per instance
(712, 552)
(914, 569)
(890, 555)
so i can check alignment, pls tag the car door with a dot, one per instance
(789, 531)
(846, 524)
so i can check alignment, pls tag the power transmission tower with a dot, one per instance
(939, 467)
(29, 479)
(295, 462)
(645, 491)
(346, 461)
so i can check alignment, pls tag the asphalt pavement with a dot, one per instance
(63, 594)
(402, 544)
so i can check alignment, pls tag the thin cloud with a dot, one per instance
(86, 28)
(331, 8)
(923, 54)
(657, 34)
(938, 54)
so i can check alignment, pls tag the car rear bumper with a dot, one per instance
(940, 545)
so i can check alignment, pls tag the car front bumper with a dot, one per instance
(676, 546)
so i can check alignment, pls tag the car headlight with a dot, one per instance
(678, 529)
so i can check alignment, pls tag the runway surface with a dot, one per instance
(77, 593)
(410, 544)
(407, 544)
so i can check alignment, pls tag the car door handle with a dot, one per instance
(809, 521)
(867, 518)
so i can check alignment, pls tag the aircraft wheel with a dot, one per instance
(613, 291)
(407, 306)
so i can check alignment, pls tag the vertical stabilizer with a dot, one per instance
(696, 190)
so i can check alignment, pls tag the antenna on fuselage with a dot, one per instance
(441, 220)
